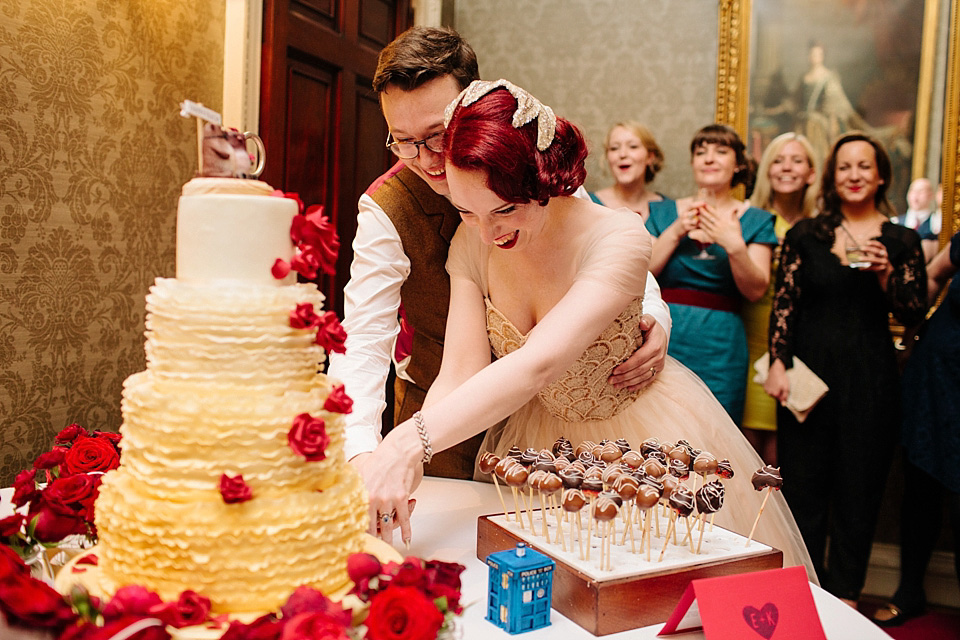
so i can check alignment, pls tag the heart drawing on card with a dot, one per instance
(762, 620)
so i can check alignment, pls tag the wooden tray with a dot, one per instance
(619, 604)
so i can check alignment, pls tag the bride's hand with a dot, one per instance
(640, 369)
(389, 483)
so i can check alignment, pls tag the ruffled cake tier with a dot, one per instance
(246, 557)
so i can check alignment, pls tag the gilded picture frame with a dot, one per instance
(733, 93)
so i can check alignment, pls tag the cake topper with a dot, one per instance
(222, 152)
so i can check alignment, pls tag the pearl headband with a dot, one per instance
(528, 108)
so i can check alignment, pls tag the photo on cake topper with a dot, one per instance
(222, 152)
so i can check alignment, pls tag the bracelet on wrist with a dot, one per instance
(424, 438)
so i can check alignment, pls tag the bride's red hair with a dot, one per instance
(481, 137)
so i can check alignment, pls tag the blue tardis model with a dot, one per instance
(520, 589)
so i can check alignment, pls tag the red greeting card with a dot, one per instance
(764, 605)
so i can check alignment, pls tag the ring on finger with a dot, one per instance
(653, 371)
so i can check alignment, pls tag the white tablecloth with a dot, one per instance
(445, 528)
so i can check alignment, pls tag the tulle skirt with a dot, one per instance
(676, 406)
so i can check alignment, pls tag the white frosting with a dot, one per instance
(228, 237)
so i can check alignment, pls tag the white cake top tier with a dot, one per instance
(233, 230)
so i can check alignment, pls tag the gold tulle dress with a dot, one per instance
(581, 405)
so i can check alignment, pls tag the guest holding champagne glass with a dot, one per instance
(712, 251)
(831, 312)
(634, 158)
(787, 187)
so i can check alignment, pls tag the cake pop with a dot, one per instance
(769, 478)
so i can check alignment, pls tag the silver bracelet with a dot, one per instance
(424, 438)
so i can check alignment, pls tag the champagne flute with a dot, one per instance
(704, 196)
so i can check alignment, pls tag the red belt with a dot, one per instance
(705, 299)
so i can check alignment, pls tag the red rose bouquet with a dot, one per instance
(55, 498)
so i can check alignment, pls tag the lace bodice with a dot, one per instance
(582, 393)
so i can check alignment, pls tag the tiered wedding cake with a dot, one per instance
(231, 391)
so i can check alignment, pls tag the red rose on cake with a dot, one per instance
(338, 401)
(234, 490)
(308, 437)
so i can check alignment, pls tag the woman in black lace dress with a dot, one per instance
(840, 275)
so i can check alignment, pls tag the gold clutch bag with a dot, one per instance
(806, 387)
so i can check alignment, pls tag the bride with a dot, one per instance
(534, 273)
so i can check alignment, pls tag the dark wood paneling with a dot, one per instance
(319, 119)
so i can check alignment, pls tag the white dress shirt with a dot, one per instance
(371, 303)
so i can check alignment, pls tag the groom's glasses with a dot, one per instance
(409, 150)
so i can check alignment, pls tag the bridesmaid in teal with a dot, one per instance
(712, 251)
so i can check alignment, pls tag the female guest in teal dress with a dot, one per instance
(711, 252)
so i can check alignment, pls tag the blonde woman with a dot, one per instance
(787, 187)
(634, 158)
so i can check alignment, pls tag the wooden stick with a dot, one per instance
(579, 534)
(563, 541)
(759, 513)
(516, 503)
(506, 514)
(649, 531)
(666, 540)
(689, 532)
(530, 512)
(703, 521)
(543, 516)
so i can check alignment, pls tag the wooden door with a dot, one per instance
(319, 119)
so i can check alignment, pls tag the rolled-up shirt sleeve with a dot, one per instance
(371, 303)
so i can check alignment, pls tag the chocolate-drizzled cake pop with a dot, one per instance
(767, 476)
(591, 485)
(529, 457)
(514, 452)
(659, 456)
(680, 453)
(632, 459)
(681, 501)
(560, 463)
(648, 445)
(679, 469)
(501, 467)
(585, 446)
(562, 448)
(551, 484)
(647, 495)
(724, 469)
(710, 497)
(613, 495)
(610, 474)
(610, 453)
(670, 484)
(573, 500)
(626, 486)
(605, 509)
(705, 463)
(653, 467)
(516, 476)
(586, 458)
(622, 444)
(488, 462)
(571, 477)
(546, 461)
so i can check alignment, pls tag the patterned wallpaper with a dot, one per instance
(600, 61)
(92, 155)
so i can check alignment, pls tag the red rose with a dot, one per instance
(410, 574)
(234, 489)
(11, 564)
(132, 600)
(31, 603)
(338, 401)
(263, 628)
(443, 580)
(11, 525)
(403, 613)
(315, 231)
(73, 495)
(50, 459)
(25, 487)
(69, 434)
(293, 196)
(308, 437)
(307, 262)
(190, 609)
(111, 437)
(314, 626)
(362, 565)
(90, 455)
(89, 631)
(303, 317)
(330, 334)
(280, 269)
(309, 600)
(50, 523)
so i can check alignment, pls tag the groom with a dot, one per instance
(395, 304)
